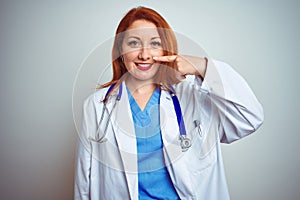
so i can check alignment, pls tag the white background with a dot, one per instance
(43, 43)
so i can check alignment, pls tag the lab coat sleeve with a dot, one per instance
(239, 111)
(83, 158)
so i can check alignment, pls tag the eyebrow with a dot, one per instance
(136, 37)
(155, 37)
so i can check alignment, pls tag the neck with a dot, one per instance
(138, 87)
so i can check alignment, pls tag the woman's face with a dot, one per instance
(140, 44)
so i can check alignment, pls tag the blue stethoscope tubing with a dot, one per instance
(185, 142)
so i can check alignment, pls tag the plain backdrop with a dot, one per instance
(44, 43)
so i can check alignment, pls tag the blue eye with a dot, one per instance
(133, 44)
(156, 44)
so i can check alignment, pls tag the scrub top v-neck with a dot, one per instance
(153, 177)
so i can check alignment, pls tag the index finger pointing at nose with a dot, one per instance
(165, 58)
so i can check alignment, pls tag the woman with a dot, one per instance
(149, 133)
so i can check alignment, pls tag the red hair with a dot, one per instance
(165, 75)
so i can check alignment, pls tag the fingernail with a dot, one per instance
(155, 57)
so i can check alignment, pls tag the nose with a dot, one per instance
(144, 54)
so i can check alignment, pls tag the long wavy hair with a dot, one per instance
(166, 75)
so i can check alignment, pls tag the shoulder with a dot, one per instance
(95, 98)
(219, 67)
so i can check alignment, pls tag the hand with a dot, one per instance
(186, 65)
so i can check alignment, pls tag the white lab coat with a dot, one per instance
(224, 105)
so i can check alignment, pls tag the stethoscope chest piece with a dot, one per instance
(185, 143)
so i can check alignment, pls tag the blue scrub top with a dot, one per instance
(153, 177)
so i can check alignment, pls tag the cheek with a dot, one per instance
(158, 52)
(130, 56)
(128, 59)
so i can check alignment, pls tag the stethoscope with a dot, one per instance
(185, 142)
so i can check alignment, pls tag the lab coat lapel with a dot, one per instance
(169, 128)
(126, 140)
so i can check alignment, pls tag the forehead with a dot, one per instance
(142, 28)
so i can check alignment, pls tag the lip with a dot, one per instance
(144, 66)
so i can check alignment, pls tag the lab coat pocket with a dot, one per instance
(203, 148)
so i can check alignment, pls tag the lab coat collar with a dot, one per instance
(124, 132)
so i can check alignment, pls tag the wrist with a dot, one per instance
(202, 67)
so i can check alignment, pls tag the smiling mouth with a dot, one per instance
(144, 66)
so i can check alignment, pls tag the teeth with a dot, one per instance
(144, 65)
